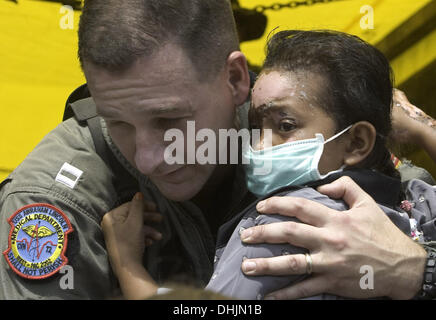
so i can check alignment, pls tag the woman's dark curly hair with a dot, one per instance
(359, 81)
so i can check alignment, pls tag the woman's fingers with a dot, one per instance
(149, 206)
(141, 211)
(151, 233)
(152, 217)
(132, 215)
(117, 215)
(148, 242)
(136, 209)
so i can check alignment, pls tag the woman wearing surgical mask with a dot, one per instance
(322, 106)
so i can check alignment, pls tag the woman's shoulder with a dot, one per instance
(252, 217)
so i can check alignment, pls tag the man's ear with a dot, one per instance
(238, 77)
(360, 144)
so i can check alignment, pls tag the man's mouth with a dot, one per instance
(172, 175)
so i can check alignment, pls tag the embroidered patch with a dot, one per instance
(37, 241)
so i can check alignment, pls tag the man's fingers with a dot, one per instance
(293, 264)
(305, 210)
(345, 188)
(298, 234)
(307, 288)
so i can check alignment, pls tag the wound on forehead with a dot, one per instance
(256, 115)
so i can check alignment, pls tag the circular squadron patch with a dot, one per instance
(37, 241)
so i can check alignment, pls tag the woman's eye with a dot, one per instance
(286, 126)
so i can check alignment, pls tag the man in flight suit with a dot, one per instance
(163, 64)
(151, 66)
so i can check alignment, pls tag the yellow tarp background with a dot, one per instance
(39, 66)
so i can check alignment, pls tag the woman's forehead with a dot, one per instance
(298, 90)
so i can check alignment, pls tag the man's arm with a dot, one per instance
(341, 243)
(44, 196)
(88, 275)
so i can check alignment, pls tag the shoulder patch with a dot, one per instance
(37, 241)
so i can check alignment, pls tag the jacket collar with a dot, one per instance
(383, 189)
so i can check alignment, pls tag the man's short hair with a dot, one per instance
(113, 34)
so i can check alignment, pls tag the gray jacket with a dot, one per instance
(228, 278)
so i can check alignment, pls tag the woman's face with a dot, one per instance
(289, 104)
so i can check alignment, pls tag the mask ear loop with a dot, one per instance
(338, 134)
(330, 139)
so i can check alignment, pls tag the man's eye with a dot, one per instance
(169, 122)
(255, 126)
(115, 123)
(286, 126)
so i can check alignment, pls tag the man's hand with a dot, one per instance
(340, 243)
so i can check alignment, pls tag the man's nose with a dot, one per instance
(149, 153)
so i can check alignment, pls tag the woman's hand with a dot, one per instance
(126, 237)
(125, 233)
(411, 125)
(340, 244)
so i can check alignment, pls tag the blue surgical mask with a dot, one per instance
(289, 164)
